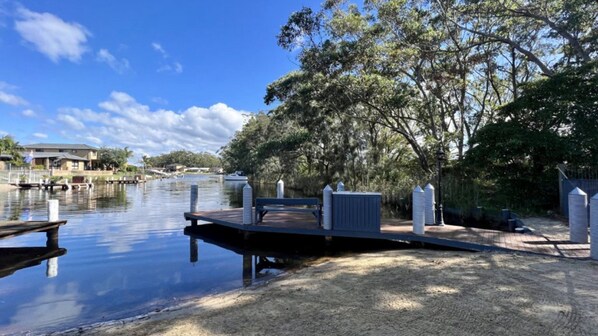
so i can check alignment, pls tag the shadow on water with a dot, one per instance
(267, 254)
(13, 259)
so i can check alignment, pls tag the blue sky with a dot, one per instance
(152, 75)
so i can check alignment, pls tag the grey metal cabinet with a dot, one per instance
(356, 211)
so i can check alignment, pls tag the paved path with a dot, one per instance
(550, 239)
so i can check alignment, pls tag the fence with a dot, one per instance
(570, 178)
(26, 175)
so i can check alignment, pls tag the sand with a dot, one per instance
(406, 292)
(6, 187)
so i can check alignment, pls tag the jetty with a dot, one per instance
(451, 236)
(13, 259)
(78, 182)
(9, 229)
(128, 180)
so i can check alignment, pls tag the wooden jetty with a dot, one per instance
(128, 180)
(466, 238)
(10, 229)
(27, 185)
(78, 182)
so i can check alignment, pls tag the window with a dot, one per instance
(61, 150)
(75, 165)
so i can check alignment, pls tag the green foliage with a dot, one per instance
(380, 87)
(183, 157)
(11, 147)
(554, 121)
(110, 158)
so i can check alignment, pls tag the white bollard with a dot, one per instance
(247, 204)
(594, 227)
(340, 186)
(578, 216)
(418, 211)
(53, 211)
(430, 216)
(280, 189)
(327, 220)
(194, 198)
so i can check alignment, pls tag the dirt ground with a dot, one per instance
(406, 292)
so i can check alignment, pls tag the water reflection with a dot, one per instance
(256, 264)
(126, 254)
(13, 259)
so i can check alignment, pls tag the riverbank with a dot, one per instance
(411, 292)
(6, 187)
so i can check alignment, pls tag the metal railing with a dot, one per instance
(22, 175)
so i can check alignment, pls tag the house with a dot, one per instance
(63, 156)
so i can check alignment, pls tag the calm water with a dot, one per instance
(126, 254)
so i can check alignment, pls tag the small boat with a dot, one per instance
(236, 176)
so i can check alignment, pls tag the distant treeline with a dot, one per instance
(183, 157)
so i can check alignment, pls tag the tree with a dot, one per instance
(434, 72)
(111, 158)
(554, 121)
(11, 147)
(183, 157)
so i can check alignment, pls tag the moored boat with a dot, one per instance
(236, 176)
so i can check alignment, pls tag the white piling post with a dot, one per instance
(52, 210)
(247, 204)
(280, 189)
(418, 211)
(430, 217)
(340, 186)
(594, 227)
(578, 216)
(194, 198)
(327, 220)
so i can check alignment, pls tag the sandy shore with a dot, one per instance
(408, 292)
(6, 187)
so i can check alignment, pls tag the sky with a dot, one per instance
(154, 76)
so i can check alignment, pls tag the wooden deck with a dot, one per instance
(467, 238)
(10, 229)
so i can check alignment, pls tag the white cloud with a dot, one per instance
(120, 66)
(11, 99)
(158, 47)
(160, 100)
(52, 36)
(71, 122)
(29, 113)
(40, 135)
(122, 121)
(175, 67)
(7, 86)
(3, 133)
(178, 67)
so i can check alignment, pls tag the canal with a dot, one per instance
(126, 254)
